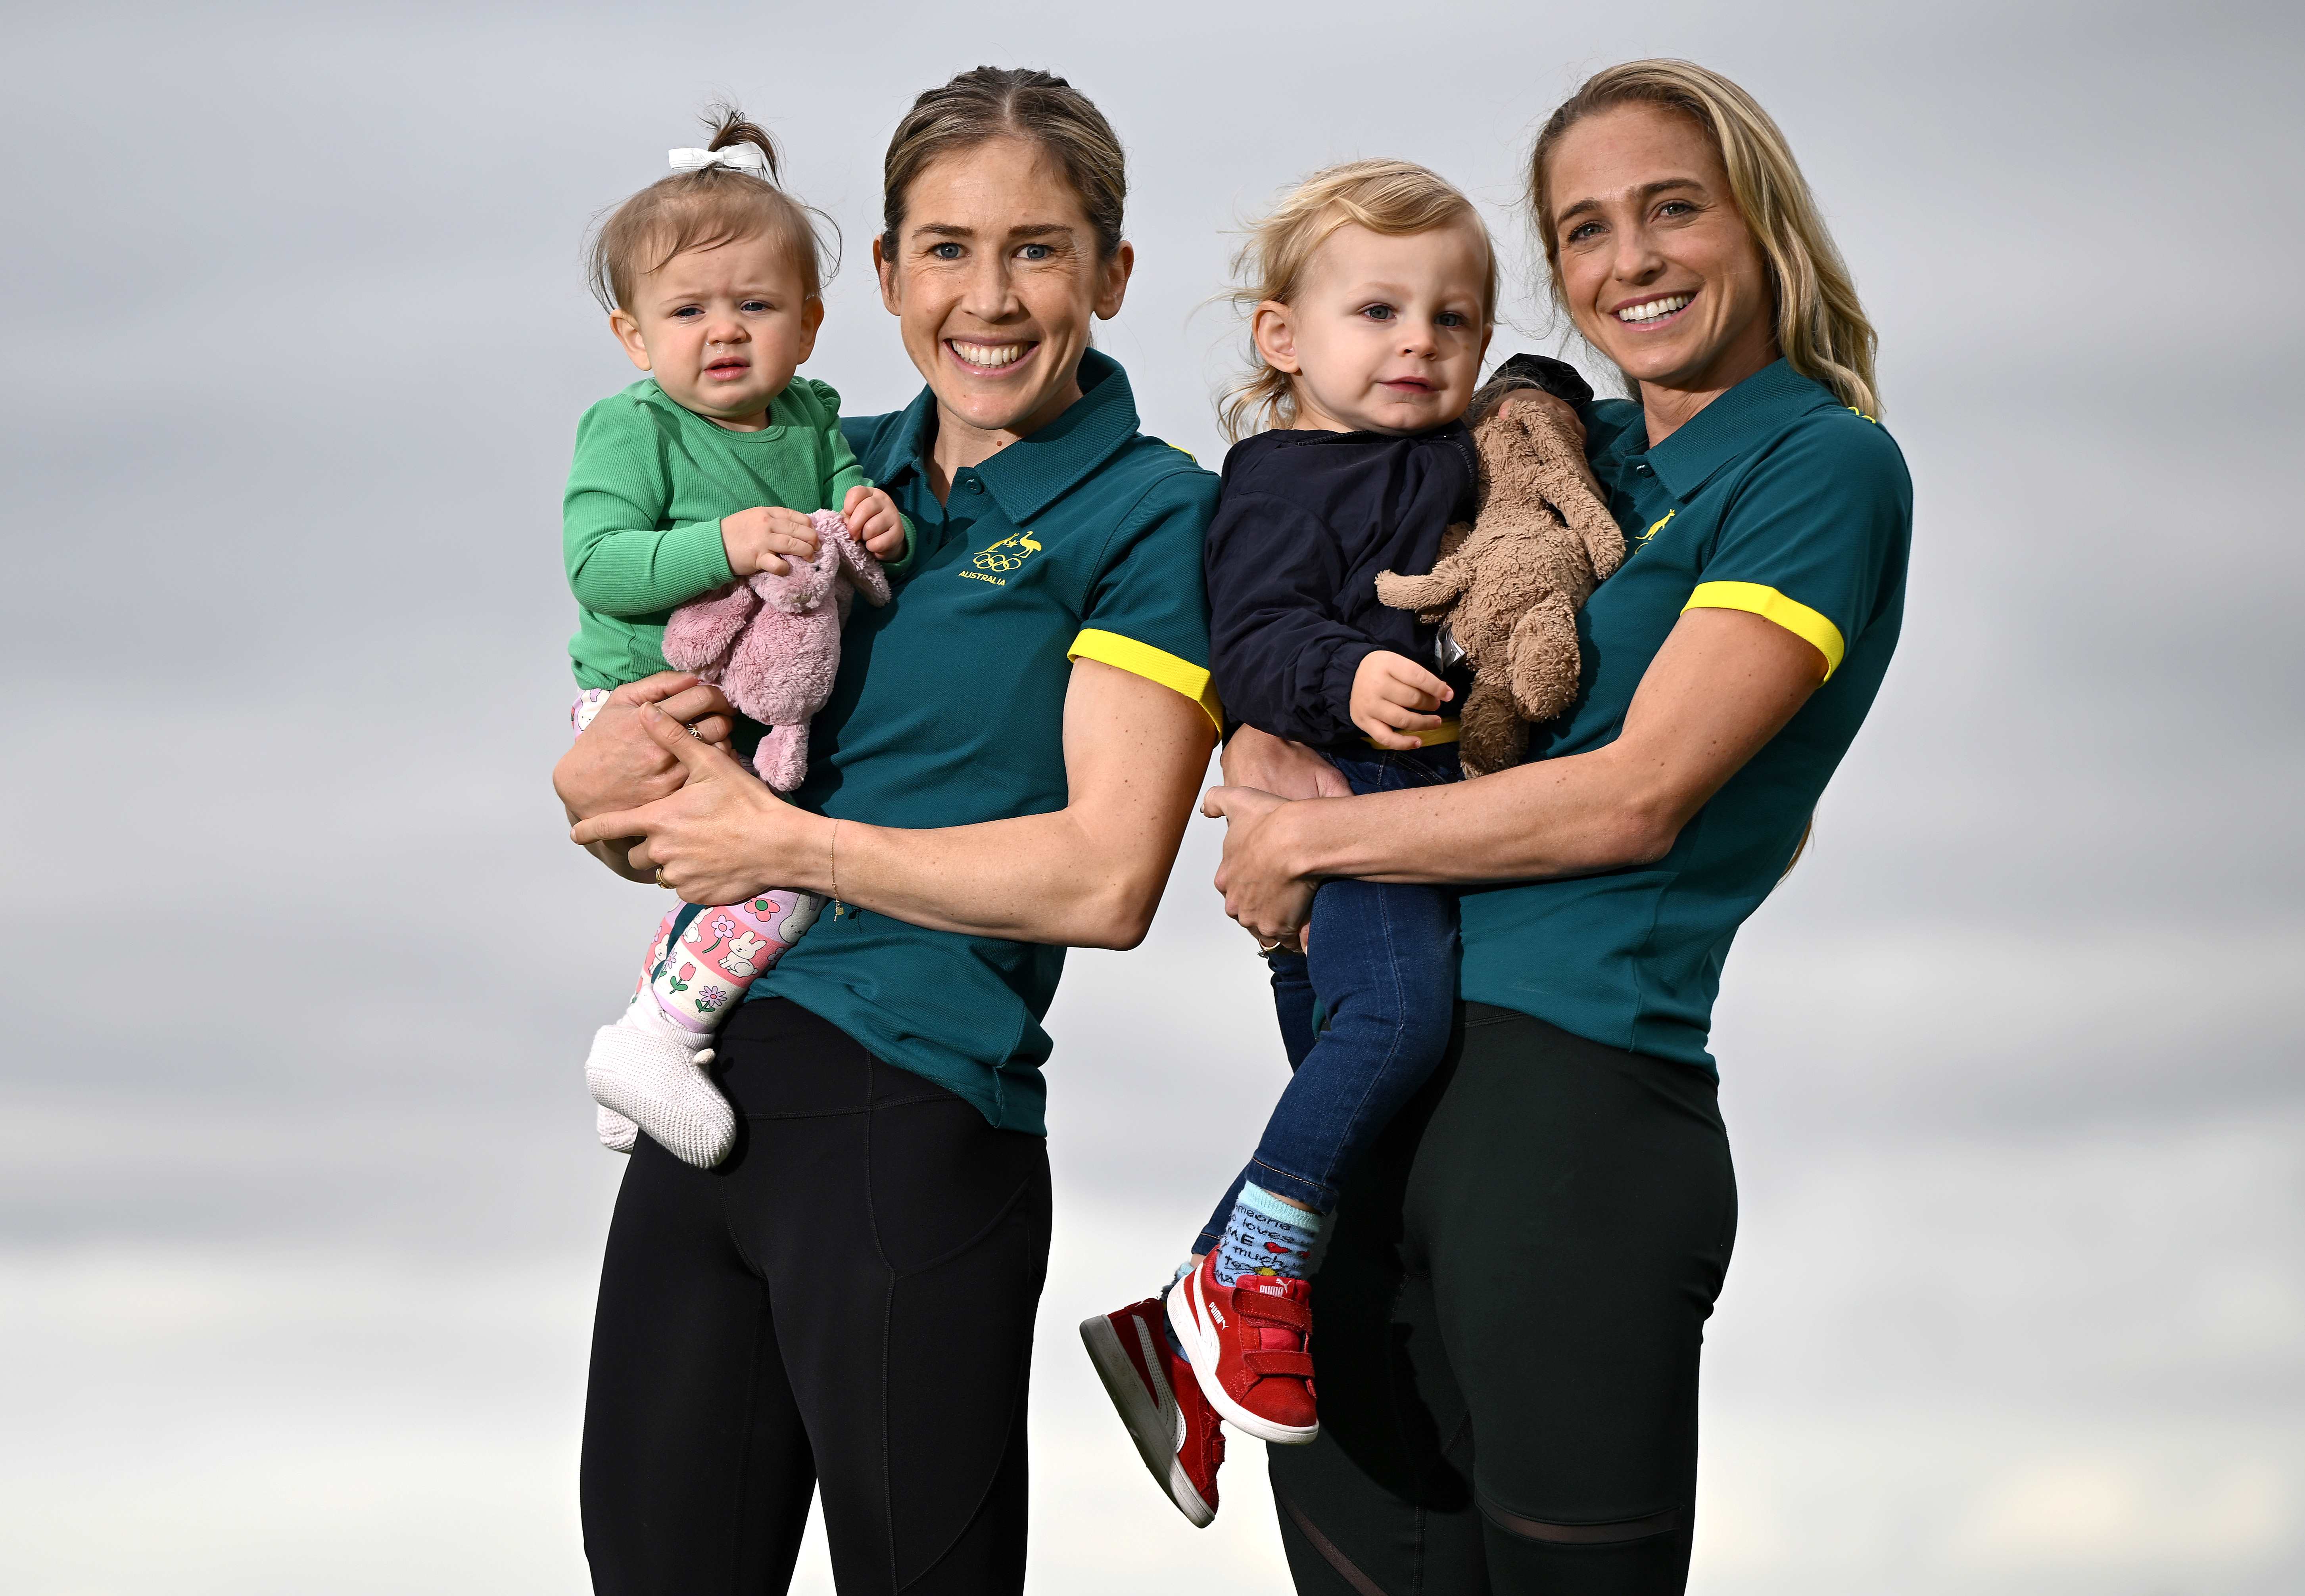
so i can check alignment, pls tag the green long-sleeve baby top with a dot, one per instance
(649, 484)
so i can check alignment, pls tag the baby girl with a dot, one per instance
(705, 471)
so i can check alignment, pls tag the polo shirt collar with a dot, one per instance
(905, 453)
(1739, 420)
(1034, 471)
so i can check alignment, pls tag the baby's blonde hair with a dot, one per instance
(1393, 198)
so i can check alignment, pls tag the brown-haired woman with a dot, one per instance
(1513, 1301)
(1004, 770)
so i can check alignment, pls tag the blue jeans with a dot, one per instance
(1384, 969)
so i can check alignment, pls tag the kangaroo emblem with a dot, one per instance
(1009, 553)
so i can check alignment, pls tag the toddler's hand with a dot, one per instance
(873, 521)
(1394, 697)
(764, 536)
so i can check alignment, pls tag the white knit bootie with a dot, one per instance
(617, 1132)
(652, 1072)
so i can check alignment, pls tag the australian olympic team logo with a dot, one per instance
(1003, 556)
(1009, 553)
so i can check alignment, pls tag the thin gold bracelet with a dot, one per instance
(836, 861)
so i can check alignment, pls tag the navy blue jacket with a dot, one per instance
(1304, 521)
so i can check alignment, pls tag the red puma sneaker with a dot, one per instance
(1175, 1432)
(1246, 1344)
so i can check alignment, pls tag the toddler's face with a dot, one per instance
(1387, 333)
(722, 329)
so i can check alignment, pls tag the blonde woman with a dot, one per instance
(1517, 1276)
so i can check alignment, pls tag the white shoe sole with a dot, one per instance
(1155, 1425)
(1188, 1317)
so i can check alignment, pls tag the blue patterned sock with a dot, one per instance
(1266, 1237)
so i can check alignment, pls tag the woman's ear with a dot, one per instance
(1113, 285)
(884, 269)
(1273, 327)
(628, 333)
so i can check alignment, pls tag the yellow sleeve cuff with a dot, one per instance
(1770, 605)
(1155, 665)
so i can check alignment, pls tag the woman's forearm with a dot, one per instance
(1036, 878)
(1722, 685)
(1089, 875)
(1560, 818)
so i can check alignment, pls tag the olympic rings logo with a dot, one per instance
(1008, 554)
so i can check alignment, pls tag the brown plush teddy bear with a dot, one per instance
(1508, 585)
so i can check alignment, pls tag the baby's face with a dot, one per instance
(722, 329)
(1387, 333)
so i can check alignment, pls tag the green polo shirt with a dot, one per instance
(1776, 499)
(1081, 541)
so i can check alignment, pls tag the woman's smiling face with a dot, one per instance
(995, 280)
(1660, 272)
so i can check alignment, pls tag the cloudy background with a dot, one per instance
(300, 1209)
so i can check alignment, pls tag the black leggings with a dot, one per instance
(1507, 1325)
(845, 1304)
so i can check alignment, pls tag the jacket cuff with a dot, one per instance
(1543, 372)
(1335, 690)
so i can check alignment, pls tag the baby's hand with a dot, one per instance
(1394, 697)
(760, 538)
(873, 521)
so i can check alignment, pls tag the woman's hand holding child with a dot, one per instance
(723, 836)
(1394, 697)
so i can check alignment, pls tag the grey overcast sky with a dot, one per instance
(300, 1214)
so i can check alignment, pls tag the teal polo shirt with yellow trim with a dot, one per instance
(1080, 541)
(1776, 499)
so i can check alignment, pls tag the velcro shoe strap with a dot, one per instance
(1288, 1313)
(1292, 1365)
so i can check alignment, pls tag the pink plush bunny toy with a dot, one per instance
(772, 643)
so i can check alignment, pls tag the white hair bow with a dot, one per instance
(746, 158)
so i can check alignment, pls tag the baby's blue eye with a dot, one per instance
(1378, 312)
(1451, 319)
(687, 311)
(755, 307)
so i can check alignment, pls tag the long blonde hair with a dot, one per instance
(1822, 330)
(1393, 198)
